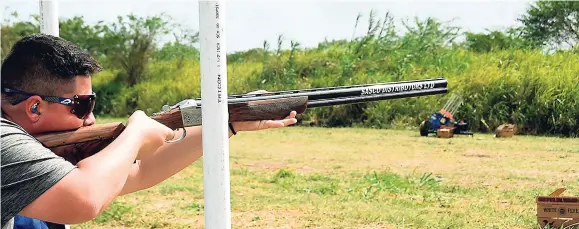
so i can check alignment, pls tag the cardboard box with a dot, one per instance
(558, 211)
(505, 131)
(444, 133)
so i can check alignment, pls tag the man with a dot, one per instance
(38, 73)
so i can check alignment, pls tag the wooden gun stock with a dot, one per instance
(81, 143)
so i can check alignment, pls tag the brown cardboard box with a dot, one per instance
(558, 211)
(505, 131)
(444, 132)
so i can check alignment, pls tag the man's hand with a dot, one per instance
(265, 124)
(153, 134)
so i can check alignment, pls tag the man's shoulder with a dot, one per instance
(15, 139)
(7, 122)
(11, 130)
(8, 125)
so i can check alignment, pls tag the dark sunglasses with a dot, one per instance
(81, 105)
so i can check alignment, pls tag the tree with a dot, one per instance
(181, 49)
(12, 32)
(130, 43)
(495, 40)
(87, 37)
(552, 23)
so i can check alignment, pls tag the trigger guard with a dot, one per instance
(179, 139)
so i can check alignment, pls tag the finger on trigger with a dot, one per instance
(170, 135)
(291, 115)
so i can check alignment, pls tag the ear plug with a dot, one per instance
(34, 108)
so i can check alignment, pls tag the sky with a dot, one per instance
(250, 22)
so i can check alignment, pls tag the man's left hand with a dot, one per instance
(265, 124)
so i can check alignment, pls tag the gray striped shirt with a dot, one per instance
(28, 169)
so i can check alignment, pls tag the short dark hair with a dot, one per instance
(41, 63)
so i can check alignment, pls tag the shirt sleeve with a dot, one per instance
(28, 169)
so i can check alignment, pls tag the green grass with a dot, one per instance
(364, 178)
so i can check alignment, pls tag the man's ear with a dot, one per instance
(33, 108)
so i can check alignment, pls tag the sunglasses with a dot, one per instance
(80, 105)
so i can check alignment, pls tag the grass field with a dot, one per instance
(302, 177)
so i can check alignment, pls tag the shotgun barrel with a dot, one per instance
(376, 97)
(439, 82)
(352, 94)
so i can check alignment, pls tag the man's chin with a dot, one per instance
(57, 129)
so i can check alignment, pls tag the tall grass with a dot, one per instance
(537, 91)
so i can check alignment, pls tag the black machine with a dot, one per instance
(444, 120)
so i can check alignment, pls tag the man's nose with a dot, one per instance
(90, 120)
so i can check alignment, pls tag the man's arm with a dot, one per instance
(168, 160)
(36, 183)
(89, 188)
(174, 157)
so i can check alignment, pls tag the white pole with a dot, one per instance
(49, 24)
(49, 17)
(215, 114)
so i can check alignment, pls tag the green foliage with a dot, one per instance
(128, 44)
(13, 31)
(495, 41)
(552, 23)
(88, 37)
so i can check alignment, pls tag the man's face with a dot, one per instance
(58, 117)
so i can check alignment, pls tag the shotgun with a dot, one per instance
(81, 143)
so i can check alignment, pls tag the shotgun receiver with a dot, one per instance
(78, 144)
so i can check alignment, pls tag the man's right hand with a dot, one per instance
(153, 134)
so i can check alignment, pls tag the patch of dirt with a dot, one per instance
(277, 166)
(271, 217)
(477, 155)
(163, 204)
(376, 226)
(537, 173)
(268, 166)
